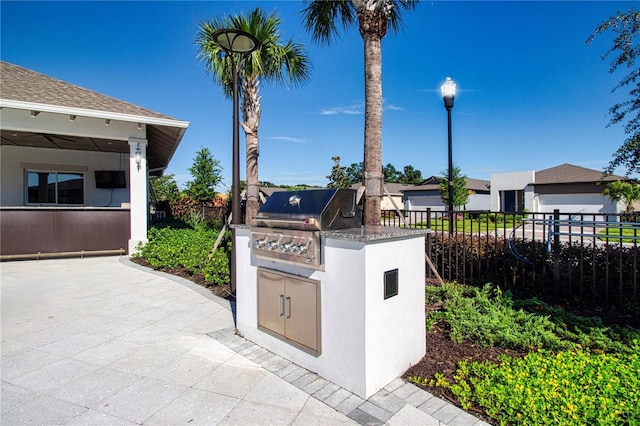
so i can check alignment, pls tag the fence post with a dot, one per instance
(428, 235)
(556, 253)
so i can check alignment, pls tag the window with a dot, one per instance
(55, 188)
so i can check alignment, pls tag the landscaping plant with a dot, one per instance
(577, 371)
(190, 249)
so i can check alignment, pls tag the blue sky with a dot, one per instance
(531, 93)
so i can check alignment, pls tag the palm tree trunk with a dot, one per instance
(251, 118)
(372, 128)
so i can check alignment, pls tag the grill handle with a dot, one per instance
(289, 314)
(307, 221)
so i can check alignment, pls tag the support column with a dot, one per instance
(138, 192)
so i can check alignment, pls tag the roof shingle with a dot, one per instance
(569, 173)
(24, 85)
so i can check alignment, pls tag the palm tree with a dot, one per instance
(275, 61)
(373, 17)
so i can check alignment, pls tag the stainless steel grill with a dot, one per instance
(288, 226)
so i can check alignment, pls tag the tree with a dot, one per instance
(276, 61)
(411, 176)
(625, 51)
(338, 177)
(206, 172)
(391, 174)
(460, 192)
(628, 192)
(354, 172)
(165, 188)
(373, 17)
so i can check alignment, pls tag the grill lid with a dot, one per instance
(311, 209)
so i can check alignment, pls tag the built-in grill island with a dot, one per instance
(288, 225)
(340, 299)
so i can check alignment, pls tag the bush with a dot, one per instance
(187, 208)
(189, 249)
(487, 317)
(569, 388)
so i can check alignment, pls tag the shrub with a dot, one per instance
(189, 249)
(569, 388)
(487, 317)
(215, 210)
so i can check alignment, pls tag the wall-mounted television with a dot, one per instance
(110, 179)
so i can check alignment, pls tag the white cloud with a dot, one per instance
(287, 139)
(393, 107)
(358, 109)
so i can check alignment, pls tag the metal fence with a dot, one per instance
(587, 261)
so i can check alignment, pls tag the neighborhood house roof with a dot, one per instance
(569, 173)
(433, 183)
(22, 88)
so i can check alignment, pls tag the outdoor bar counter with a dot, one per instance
(33, 231)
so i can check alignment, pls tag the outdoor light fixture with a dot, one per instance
(448, 90)
(138, 157)
(233, 42)
(107, 122)
(35, 113)
(72, 118)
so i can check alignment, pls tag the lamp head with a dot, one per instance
(235, 41)
(448, 90)
(138, 157)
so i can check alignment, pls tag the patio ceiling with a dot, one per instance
(162, 143)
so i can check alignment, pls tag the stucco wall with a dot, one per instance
(512, 181)
(12, 158)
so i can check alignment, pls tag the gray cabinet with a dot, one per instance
(289, 308)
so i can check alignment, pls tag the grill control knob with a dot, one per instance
(271, 245)
(260, 243)
(286, 247)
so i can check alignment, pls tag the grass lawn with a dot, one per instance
(614, 234)
(467, 225)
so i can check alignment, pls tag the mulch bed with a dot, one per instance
(442, 354)
(219, 290)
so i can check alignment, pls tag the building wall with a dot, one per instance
(577, 203)
(512, 181)
(421, 201)
(13, 159)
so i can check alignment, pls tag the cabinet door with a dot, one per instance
(271, 301)
(301, 312)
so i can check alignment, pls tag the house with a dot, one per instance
(427, 195)
(391, 194)
(567, 187)
(75, 166)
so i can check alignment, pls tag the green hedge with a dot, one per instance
(189, 249)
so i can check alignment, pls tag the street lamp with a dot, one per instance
(448, 90)
(234, 41)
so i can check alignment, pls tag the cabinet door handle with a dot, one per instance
(282, 305)
(289, 300)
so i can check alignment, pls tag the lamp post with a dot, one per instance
(448, 90)
(234, 41)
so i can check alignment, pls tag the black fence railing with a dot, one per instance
(586, 261)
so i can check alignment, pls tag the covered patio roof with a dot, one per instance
(26, 93)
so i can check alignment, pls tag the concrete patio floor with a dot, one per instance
(102, 341)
